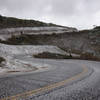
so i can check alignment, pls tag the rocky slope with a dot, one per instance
(8, 32)
(85, 43)
(14, 26)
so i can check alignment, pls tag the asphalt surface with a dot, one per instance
(82, 87)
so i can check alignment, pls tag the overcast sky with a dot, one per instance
(75, 13)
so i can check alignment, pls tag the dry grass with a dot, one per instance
(51, 56)
(89, 56)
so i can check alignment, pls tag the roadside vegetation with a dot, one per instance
(49, 55)
(89, 56)
(83, 56)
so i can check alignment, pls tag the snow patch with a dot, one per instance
(12, 52)
(7, 32)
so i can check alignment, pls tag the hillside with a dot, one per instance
(86, 42)
(11, 22)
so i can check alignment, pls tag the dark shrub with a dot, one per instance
(51, 56)
(1, 59)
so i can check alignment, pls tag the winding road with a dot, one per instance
(64, 80)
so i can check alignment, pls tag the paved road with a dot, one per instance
(65, 80)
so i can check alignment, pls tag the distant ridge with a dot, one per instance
(11, 22)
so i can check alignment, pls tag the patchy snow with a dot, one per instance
(7, 32)
(10, 52)
(29, 49)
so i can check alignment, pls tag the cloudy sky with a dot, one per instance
(75, 13)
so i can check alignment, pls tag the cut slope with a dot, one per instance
(81, 42)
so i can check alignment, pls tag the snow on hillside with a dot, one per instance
(6, 33)
(10, 52)
(29, 49)
(37, 29)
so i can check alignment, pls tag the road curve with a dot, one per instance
(65, 80)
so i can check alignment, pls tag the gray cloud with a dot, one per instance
(76, 13)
